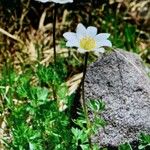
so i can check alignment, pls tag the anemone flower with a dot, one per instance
(56, 1)
(87, 39)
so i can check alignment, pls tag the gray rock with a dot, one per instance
(119, 79)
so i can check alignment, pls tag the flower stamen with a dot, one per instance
(88, 43)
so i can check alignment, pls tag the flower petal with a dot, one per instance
(103, 42)
(72, 39)
(71, 44)
(69, 35)
(102, 36)
(81, 31)
(91, 31)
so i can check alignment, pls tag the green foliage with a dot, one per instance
(24, 137)
(130, 37)
(34, 119)
(53, 74)
(24, 83)
(125, 146)
(96, 106)
(84, 132)
(47, 75)
(144, 141)
(123, 34)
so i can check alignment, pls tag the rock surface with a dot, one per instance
(119, 79)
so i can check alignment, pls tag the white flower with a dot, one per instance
(87, 40)
(56, 1)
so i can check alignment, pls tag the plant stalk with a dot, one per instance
(83, 101)
(54, 31)
(54, 45)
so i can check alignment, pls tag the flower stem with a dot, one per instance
(83, 101)
(54, 46)
(84, 73)
(54, 31)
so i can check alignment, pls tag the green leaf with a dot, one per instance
(125, 146)
(98, 123)
(38, 96)
(42, 94)
(145, 138)
(62, 92)
(31, 146)
(96, 105)
(144, 141)
(77, 133)
(84, 146)
(22, 91)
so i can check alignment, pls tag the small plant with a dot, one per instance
(87, 40)
(35, 120)
(88, 127)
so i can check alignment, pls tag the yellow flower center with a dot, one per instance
(87, 43)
